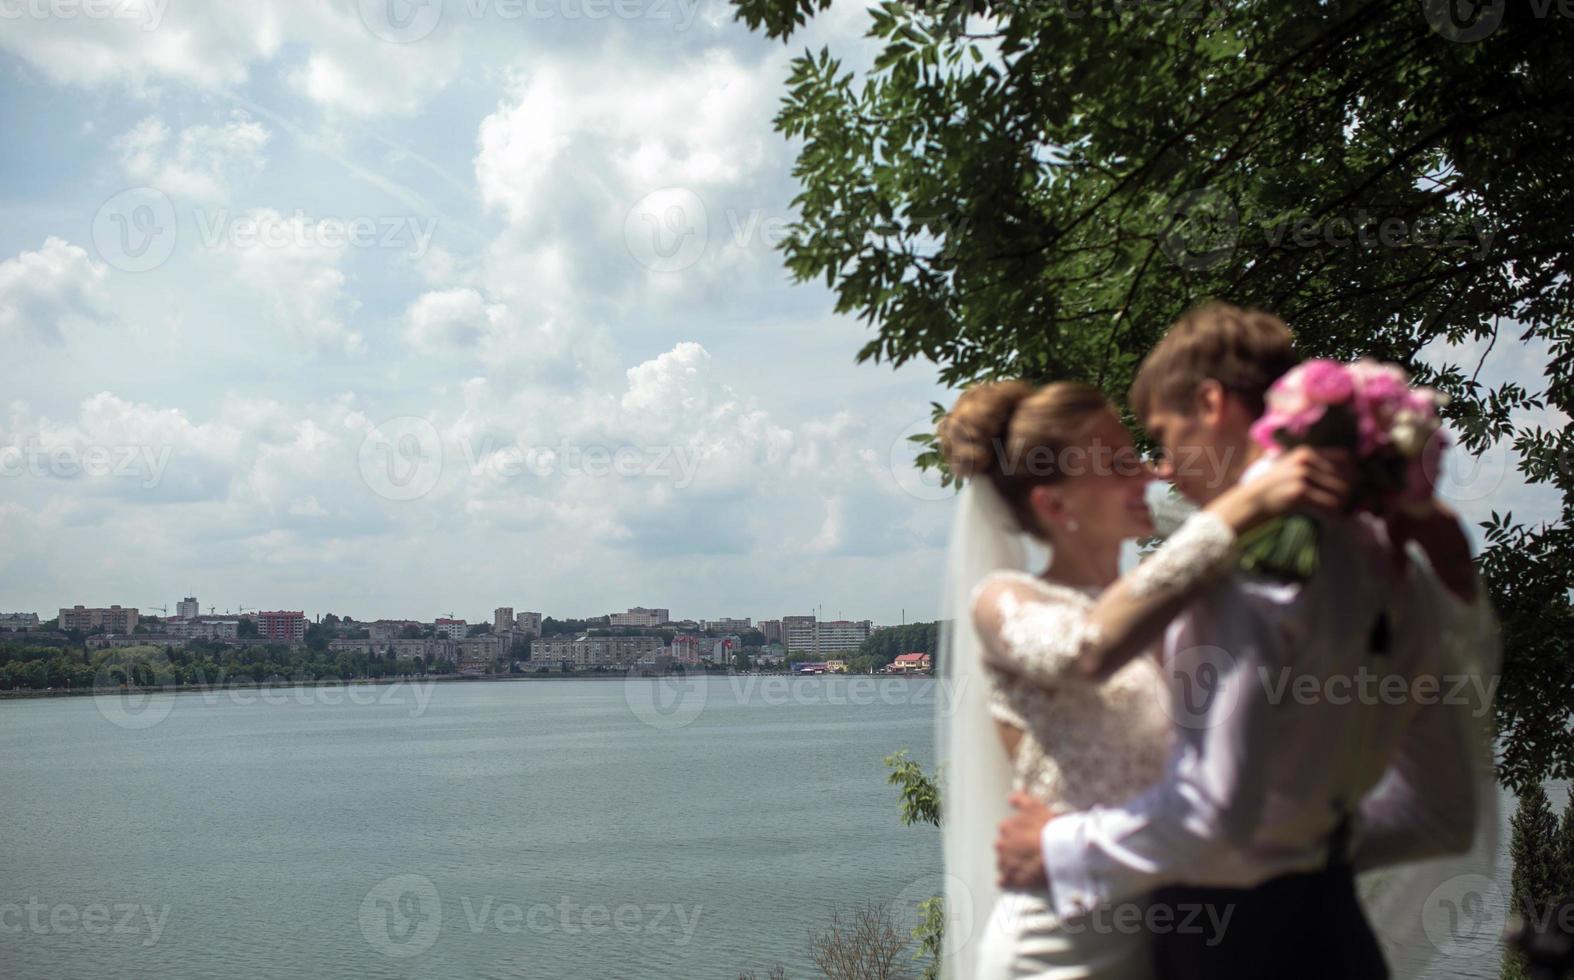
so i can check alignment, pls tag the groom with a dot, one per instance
(1276, 756)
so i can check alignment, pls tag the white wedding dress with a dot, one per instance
(1084, 743)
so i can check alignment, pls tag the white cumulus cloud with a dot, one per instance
(39, 291)
(201, 162)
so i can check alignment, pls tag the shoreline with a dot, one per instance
(407, 679)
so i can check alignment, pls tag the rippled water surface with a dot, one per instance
(565, 828)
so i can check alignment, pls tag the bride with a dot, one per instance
(1055, 463)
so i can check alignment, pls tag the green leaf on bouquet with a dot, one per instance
(1284, 548)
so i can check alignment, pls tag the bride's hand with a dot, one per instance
(1019, 863)
(1304, 478)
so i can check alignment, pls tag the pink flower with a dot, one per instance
(1381, 390)
(1301, 422)
(1262, 433)
(1371, 435)
(1425, 402)
(1326, 382)
(1296, 424)
(1288, 396)
(1395, 425)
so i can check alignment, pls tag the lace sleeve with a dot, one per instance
(1203, 547)
(1001, 709)
(1036, 637)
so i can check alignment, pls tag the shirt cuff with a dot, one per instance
(1071, 888)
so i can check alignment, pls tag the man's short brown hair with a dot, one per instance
(1245, 351)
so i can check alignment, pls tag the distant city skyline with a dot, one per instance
(490, 619)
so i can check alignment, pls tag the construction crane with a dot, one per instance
(163, 610)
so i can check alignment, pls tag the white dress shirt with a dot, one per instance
(1282, 711)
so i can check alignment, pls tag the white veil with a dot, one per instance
(1452, 909)
(974, 773)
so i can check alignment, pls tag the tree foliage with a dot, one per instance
(921, 804)
(909, 638)
(558, 627)
(1030, 189)
(865, 944)
(920, 794)
(31, 665)
(1540, 877)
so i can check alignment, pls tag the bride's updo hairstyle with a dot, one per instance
(1015, 434)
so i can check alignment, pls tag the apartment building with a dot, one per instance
(728, 624)
(799, 634)
(493, 647)
(204, 629)
(15, 622)
(806, 634)
(188, 608)
(841, 635)
(502, 619)
(639, 616)
(597, 651)
(717, 649)
(114, 619)
(282, 626)
(453, 629)
(385, 629)
(528, 622)
(417, 649)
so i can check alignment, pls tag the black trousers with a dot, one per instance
(1307, 926)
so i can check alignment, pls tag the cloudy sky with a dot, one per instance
(313, 307)
(403, 307)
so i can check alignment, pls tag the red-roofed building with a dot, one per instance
(911, 663)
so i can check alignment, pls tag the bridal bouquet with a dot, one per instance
(1368, 408)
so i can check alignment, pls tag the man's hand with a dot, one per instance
(1018, 859)
(1304, 478)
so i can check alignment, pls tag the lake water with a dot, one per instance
(563, 828)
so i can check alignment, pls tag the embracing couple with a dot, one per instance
(1179, 771)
